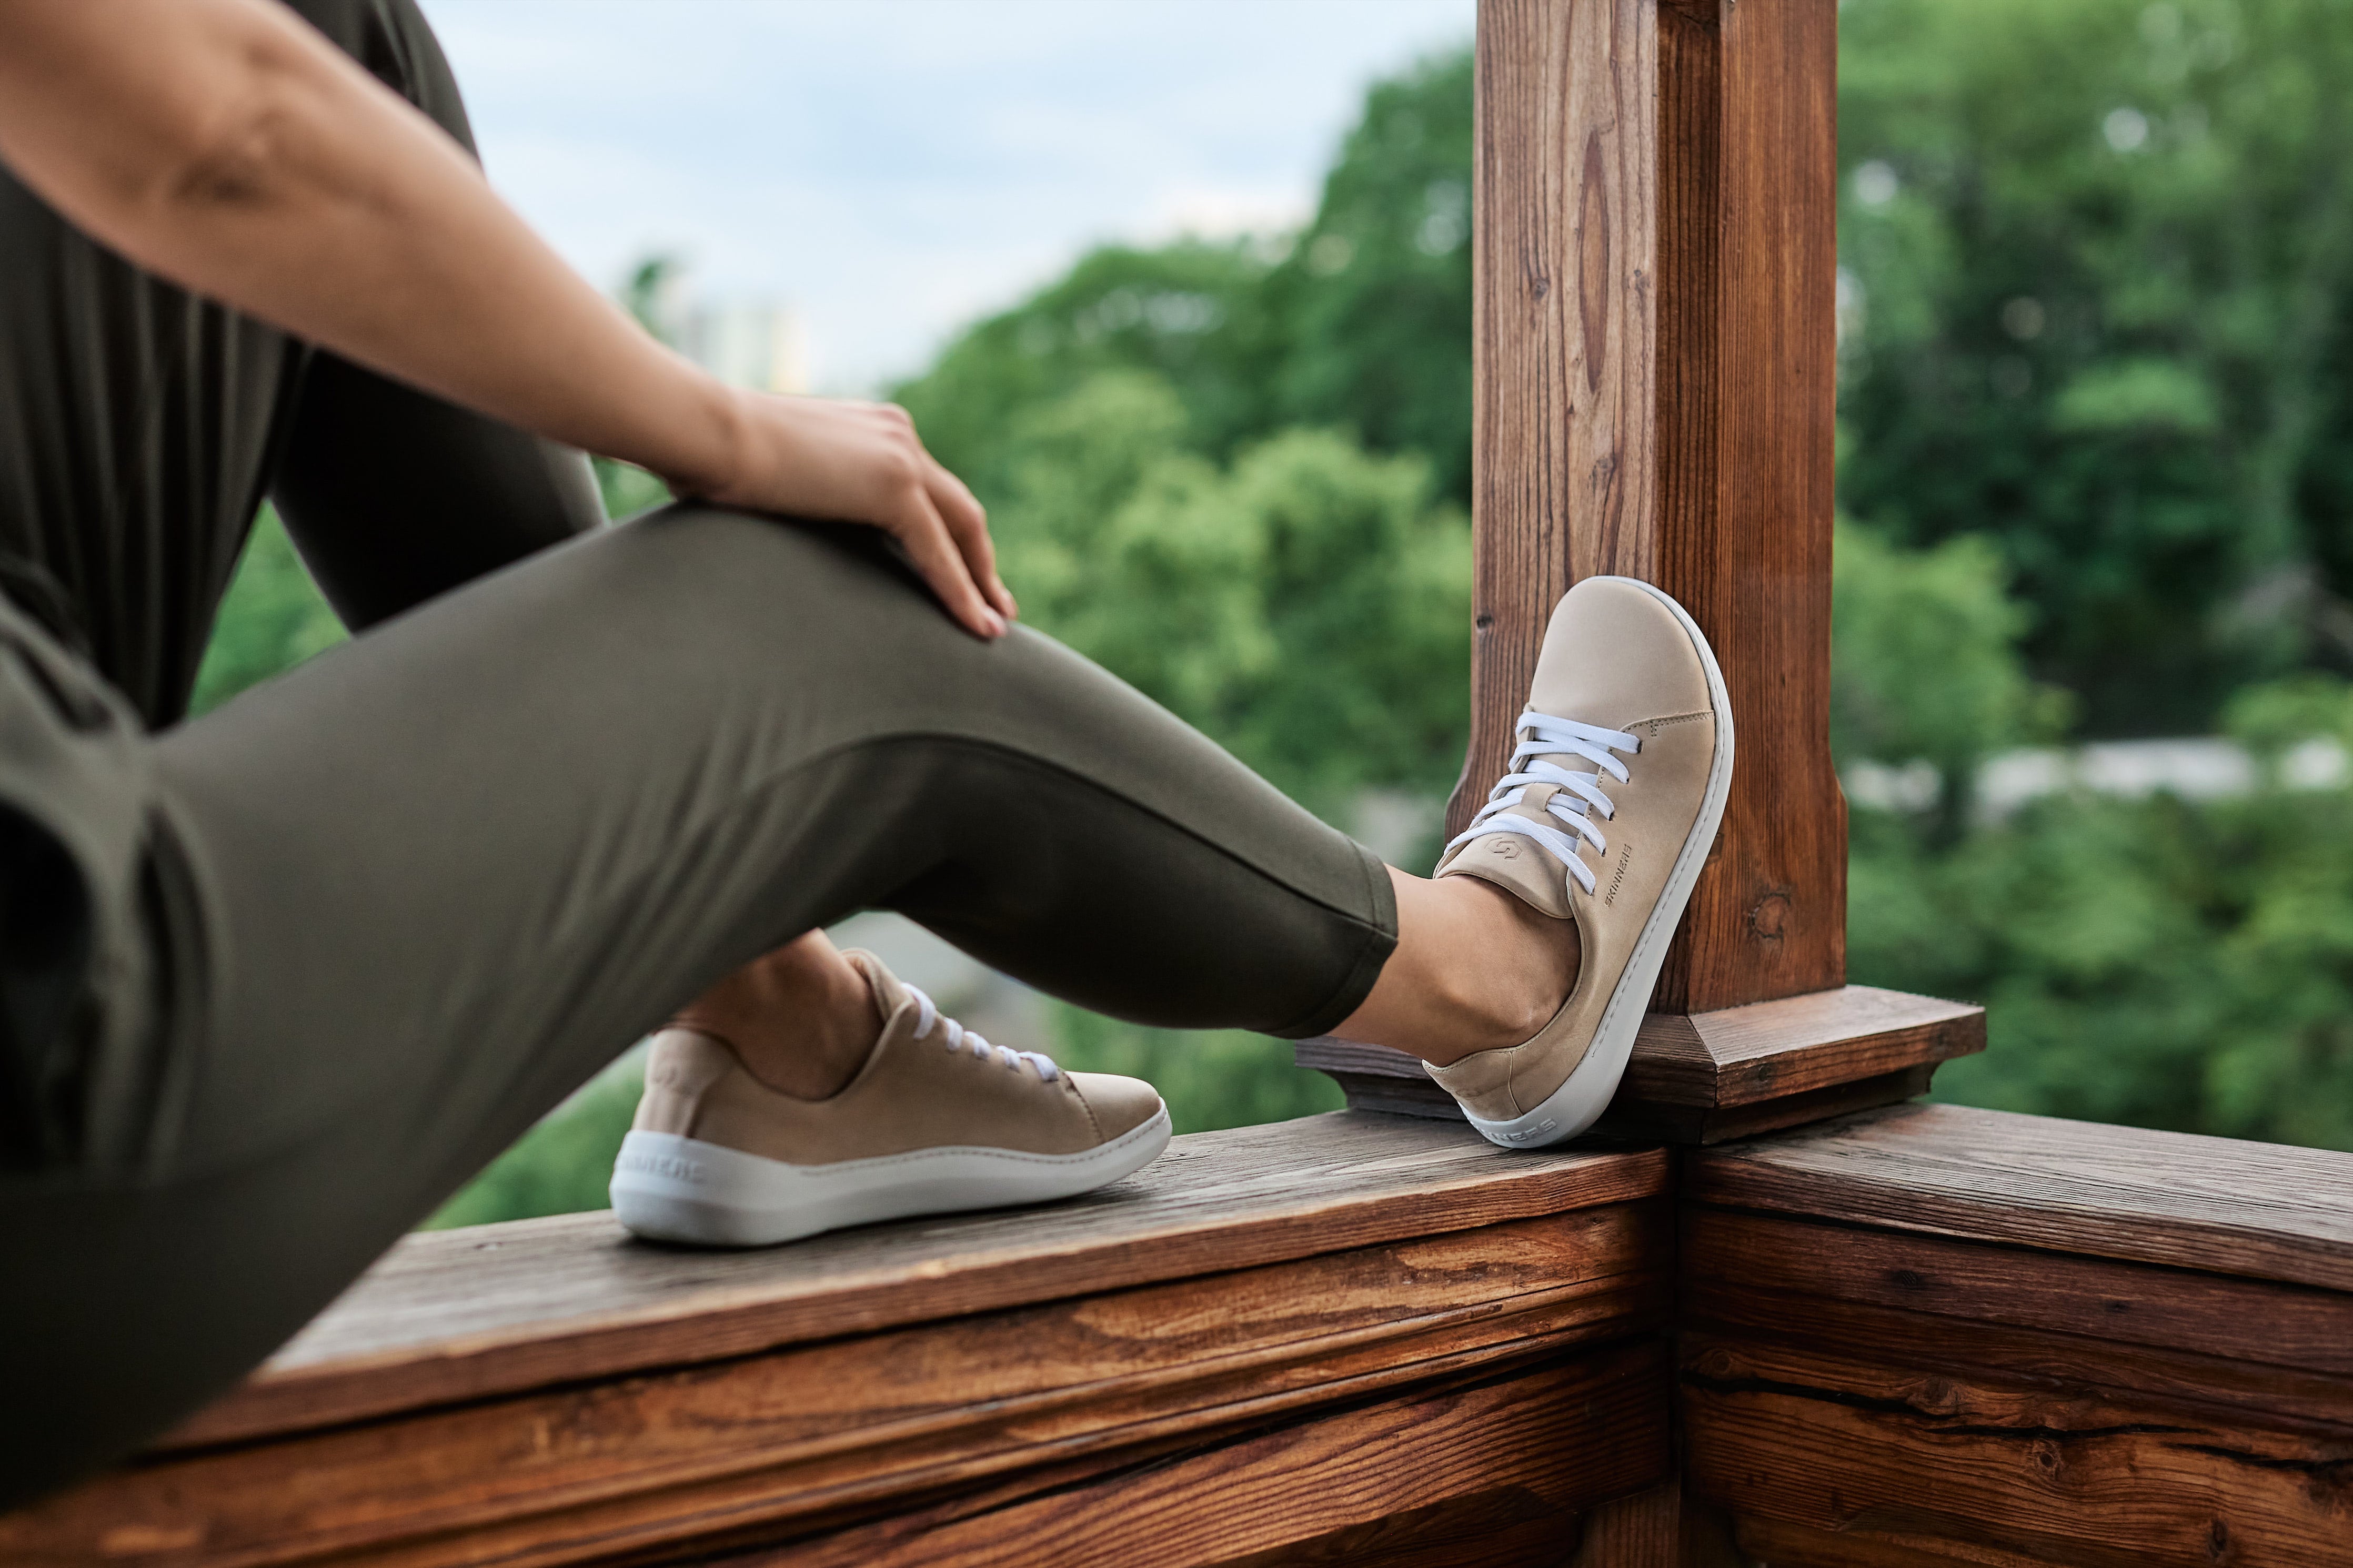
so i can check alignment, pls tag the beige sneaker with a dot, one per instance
(937, 1121)
(1628, 725)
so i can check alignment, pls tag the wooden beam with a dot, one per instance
(1655, 344)
(1933, 1335)
(1656, 264)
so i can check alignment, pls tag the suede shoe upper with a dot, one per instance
(927, 1083)
(1615, 657)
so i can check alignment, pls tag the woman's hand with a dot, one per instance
(227, 146)
(863, 462)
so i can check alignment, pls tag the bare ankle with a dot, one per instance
(1475, 969)
(800, 1019)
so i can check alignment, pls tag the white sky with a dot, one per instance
(893, 168)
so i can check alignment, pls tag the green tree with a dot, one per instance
(272, 618)
(2100, 257)
(1376, 296)
(1925, 663)
(1304, 604)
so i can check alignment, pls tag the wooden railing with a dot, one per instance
(1919, 1334)
(1774, 1312)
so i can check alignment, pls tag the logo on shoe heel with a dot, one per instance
(666, 1165)
(1503, 848)
(1537, 1131)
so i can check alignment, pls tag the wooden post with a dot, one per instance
(1656, 260)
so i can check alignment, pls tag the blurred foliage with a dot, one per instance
(1212, 1078)
(1304, 604)
(2095, 390)
(2099, 264)
(273, 618)
(561, 1166)
(1924, 666)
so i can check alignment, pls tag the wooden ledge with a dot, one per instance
(2217, 1205)
(1727, 1074)
(1199, 1357)
(1933, 1334)
(462, 1314)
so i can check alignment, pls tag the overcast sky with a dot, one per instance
(893, 168)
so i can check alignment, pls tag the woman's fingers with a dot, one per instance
(967, 524)
(937, 557)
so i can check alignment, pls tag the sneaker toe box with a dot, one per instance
(1120, 1105)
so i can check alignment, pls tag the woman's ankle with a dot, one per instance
(801, 1019)
(1475, 969)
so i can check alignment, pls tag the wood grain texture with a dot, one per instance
(1642, 1531)
(1564, 476)
(1751, 1268)
(784, 1442)
(1728, 1074)
(1909, 1458)
(2214, 1205)
(1746, 347)
(1550, 1442)
(466, 1314)
(1655, 345)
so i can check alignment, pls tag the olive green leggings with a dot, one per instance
(274, 982)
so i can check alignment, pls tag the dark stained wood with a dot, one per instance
(1643, 1530)
(1641, 1122)
(772, 1443)
(1931, 1335)
(1753, 1269)
(1549, 1443)
(1655, 264)
(1771, 1544)
(465, 1314)
(2211, 1204)
(1727, 1074)
(1913, 1460)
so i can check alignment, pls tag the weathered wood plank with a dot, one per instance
(1736, 1263)
(498, 1309)
(1908, 1459)
(1727, 1074)
(2211, 1204)
(1546, 1443)
(771, 1443)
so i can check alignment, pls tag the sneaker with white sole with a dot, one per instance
(937, 1121)
(1602, 822)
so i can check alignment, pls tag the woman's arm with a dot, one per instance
(226, 145)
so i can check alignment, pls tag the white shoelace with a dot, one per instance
(1542, 737)
(927, 1013)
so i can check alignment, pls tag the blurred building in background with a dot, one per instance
(761, 343)
(748, 342)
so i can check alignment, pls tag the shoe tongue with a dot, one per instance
(1516, 863)
(890, 995)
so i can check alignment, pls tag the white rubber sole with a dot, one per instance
(670, 1188)
(1578, 1103)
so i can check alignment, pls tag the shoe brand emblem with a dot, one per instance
(669, 1165)
(1615, 882)
(1534, 1131)
(1503, 848)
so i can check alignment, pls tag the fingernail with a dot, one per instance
(996, 625)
